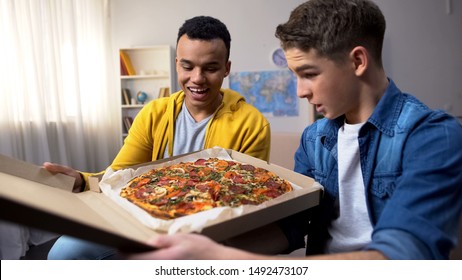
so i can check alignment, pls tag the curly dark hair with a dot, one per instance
(334, 27)
(205, 28)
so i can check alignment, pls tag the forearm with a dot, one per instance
(199, 247)
(356, 255)
(236, 254)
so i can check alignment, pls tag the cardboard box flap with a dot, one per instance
(95, 217)
(248, 222)
(119, 219)
(66, 213)
(222, 222)
(35, 173)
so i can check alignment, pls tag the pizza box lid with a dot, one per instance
(32, 196)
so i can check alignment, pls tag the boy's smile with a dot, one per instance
(201, 67)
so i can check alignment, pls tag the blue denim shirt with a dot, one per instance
(411, 160)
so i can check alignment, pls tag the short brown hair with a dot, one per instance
(333, 27)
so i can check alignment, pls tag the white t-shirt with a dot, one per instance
(352, 230)
(189, 134)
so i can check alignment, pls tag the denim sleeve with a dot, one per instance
(399, 245)
(424, 202)
(303, 162)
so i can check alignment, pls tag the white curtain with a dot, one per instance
(57, 83)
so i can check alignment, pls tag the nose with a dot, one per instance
(303, 89)
(197, 76)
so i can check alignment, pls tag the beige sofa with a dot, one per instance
(283, 147)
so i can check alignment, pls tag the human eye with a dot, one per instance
(212, 69)
(307, 72)
(187, 67)
(309, 75)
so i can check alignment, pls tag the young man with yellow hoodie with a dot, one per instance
(201, 115)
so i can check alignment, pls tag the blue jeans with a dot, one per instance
(69, 248)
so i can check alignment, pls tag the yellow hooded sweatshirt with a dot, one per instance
(236, 125)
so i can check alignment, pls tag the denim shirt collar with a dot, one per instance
(384, 117)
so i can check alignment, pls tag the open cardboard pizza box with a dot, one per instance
(32, 196)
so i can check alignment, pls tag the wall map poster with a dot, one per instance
(274, 93)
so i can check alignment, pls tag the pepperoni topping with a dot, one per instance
(190, 187)
(214, 194)
(200, 162)
(160, 202)
(272, 193)
(191, 183)
(248, 167)
(163, 182)
(236, 189)
(226, 198)
(202, 188)
(239, 179)
(249, 202)
(185, 206)
(270, 184)
(193, 174)
(142, 193)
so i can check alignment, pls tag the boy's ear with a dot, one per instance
(360, 60)
(228, 68)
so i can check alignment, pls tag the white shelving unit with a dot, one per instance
(153, 67)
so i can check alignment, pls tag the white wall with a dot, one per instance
(251, 24)
(422, 51)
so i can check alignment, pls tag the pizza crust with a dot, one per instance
(187, 188)
(114, 181)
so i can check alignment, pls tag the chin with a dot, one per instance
(330, 116)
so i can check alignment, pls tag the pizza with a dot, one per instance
(190, 187)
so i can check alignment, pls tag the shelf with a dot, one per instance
(152, 71)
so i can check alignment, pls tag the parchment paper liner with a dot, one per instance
(113, 181)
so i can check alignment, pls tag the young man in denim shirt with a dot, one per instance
(390, 166)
